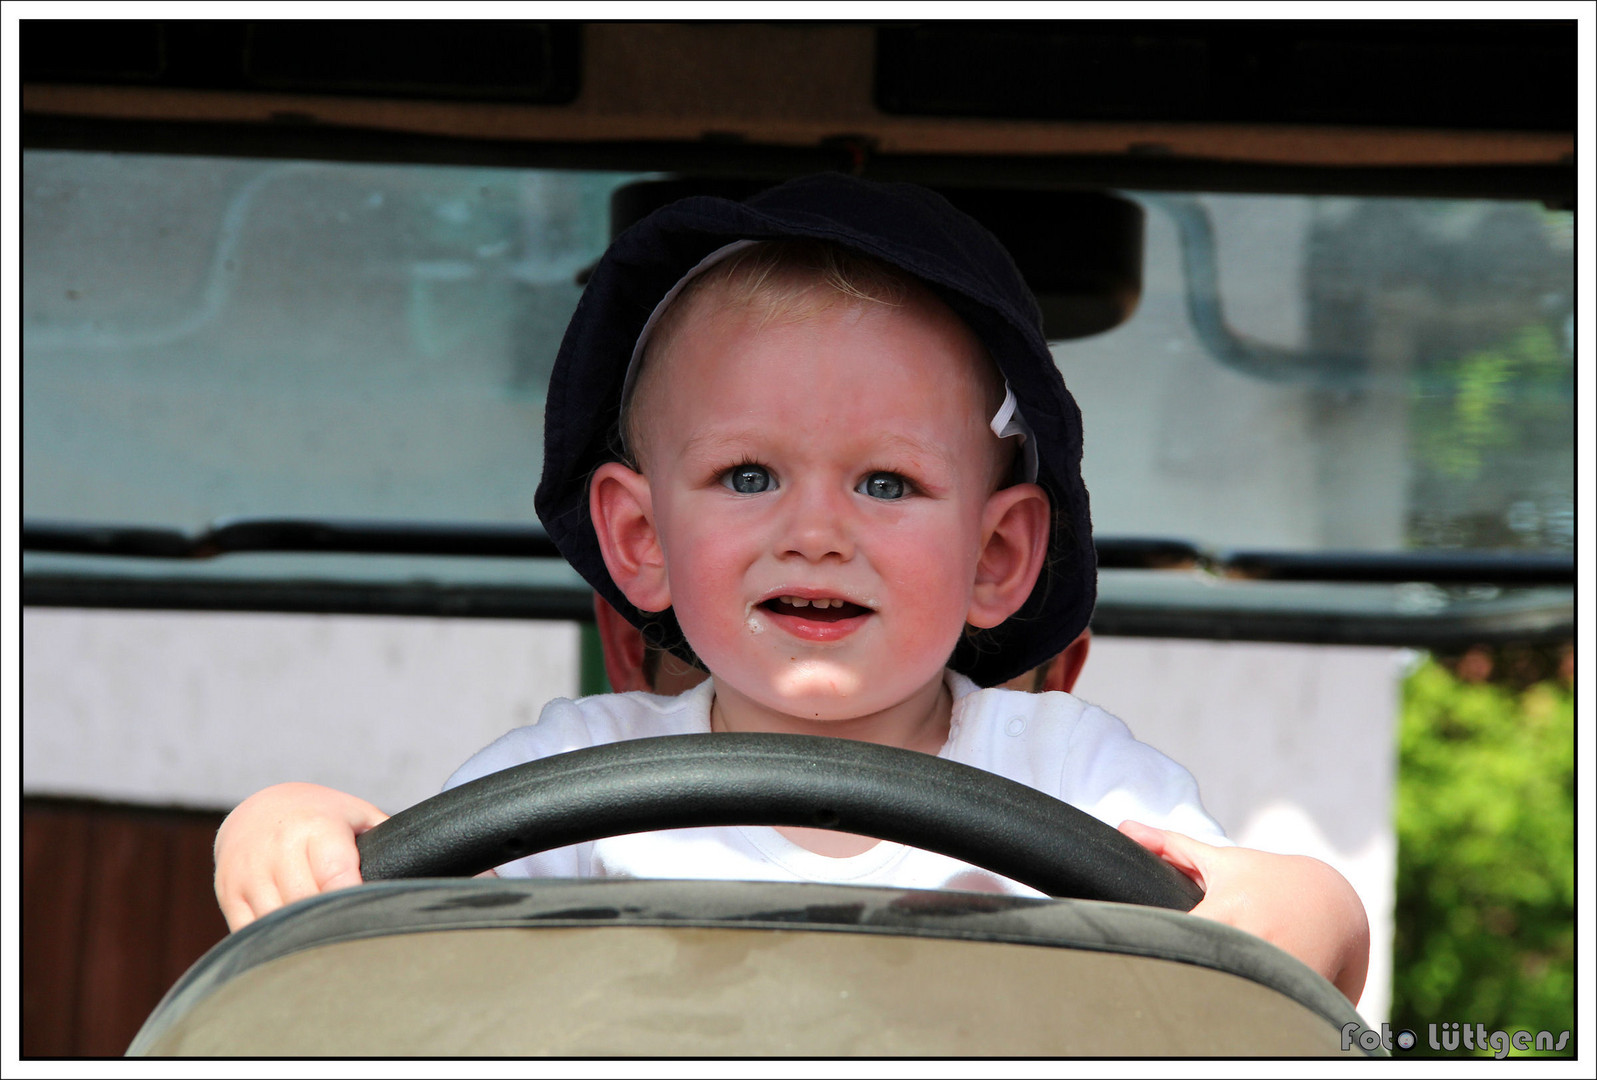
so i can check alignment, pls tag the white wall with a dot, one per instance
(201, 709)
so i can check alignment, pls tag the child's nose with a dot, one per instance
(818, 525)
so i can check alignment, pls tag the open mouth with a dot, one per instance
(816, 610)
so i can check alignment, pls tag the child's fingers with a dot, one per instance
(235, 909)
(1182, 852)
(324, 857)
(242, 904)
(1146, 835)
(318, 863)
(244, 889)
(292, 877)
(334, 857)
(332, 862)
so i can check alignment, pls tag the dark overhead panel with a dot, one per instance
(487, 60)
(1510, 76)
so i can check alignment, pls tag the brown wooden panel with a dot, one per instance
(117, 903)
(193, 921)
(124, 935)
(54, 868)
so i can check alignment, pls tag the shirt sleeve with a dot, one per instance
(1112, 776)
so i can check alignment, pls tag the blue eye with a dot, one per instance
(748, 479)
(883, 485)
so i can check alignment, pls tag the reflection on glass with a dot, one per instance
(1316, 373)
(208, 339)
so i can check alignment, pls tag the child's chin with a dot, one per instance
(809, 685)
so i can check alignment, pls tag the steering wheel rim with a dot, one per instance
(687, 781)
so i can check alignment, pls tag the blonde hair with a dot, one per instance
(786, 281)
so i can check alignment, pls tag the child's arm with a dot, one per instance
(286, 843)
(1295, 903)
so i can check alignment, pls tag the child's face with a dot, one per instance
(818, 490)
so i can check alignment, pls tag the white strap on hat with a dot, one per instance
(665, 301)
(1008, 422)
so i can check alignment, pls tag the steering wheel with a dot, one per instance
(684, 781)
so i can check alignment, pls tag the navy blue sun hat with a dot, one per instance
(909, 227)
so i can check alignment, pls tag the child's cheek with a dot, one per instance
(708, 589)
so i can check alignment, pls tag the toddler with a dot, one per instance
(816, 445)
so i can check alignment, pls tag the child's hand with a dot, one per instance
(1295, 903)
(286, 843)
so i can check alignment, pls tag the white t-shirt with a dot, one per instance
(1053, 742)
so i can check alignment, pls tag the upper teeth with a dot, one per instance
(799, 601)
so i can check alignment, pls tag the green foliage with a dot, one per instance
(1489, 400)
(1486, 889)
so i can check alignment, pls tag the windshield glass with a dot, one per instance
(215, 339)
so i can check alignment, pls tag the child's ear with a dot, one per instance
(1014, 547)
(623, 517)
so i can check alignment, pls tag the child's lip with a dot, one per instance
(809, 622)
